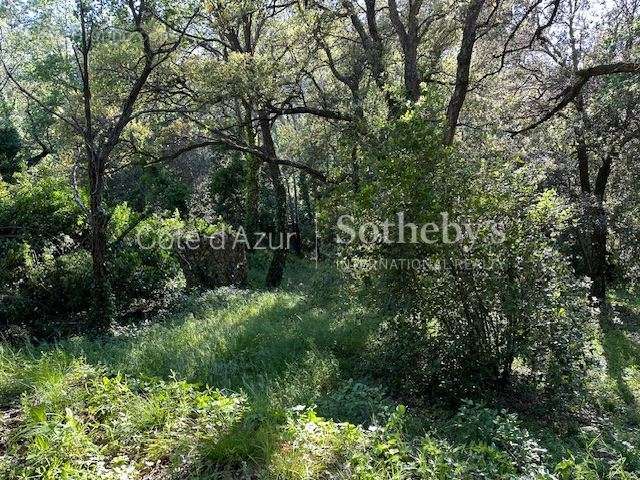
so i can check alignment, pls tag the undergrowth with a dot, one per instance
(275, 385)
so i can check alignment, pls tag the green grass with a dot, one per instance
(286, 348)
(257, 384)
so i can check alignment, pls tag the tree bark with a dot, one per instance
(463, 70)
(411, 74)
(594, 234)
(599, 254)
(279, 250)
(372, 45)
(599, 222)
(594, 231)
(355, 169)
(279, 257)
(409, 40)
(582, 152)
(102, 308)
(101, 311)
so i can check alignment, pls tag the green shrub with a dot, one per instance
(499, 430)
(356, 402)
(51, 293)
(469, 310)
(45, 267)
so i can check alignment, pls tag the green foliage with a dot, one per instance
(50, 294)
(303, 382)
(501, 291)
(43, 275)
(502, 431)
(77, 422)
(356, 401)
(46, 268)
(41, 206)
(227, 192)
(161, 189)
(143, 266)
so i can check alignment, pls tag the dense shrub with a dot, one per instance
(38, 207)
(49, 294)
(43, 274)
(143, 265)
(226, 190)
(45, 269)
(471, 309)
(624, 254)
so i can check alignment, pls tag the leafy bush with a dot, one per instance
(51, 293)
(45, 266)
(38, 207)
(143, 266)
(469, 309)
(500, 430)
(226, 190)
(355, 401)
(43, 274)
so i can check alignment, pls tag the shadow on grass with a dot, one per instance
(282, 348)
(299, 345)
(621, 344)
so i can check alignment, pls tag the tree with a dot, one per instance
(101, 105)
(593, 91)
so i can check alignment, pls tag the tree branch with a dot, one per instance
(583, 76)
(319, 112)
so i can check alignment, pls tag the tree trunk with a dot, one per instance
(463, 70)
(373, 47)
(102, 310)
(599, 254)
(599, 233)
(411, 74)
(409, 39)
(586, 227)
(279, 243)
(278, 260)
